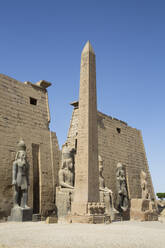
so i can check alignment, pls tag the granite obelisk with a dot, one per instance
(86, 169)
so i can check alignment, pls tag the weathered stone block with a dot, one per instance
(64, 197)
(89, 219)
(20, 214)
(51, 219)
(36, 217)
(142, 210)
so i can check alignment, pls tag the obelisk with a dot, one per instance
(86, 168)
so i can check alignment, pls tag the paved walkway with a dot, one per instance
(116, 235)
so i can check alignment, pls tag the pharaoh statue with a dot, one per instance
(107, 193)
(20, 178)
(121, 189)
(144, 208)
(20, 181)
(145, 193)
(66, 173)
(65, 190)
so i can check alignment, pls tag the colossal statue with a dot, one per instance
(20, 178)
(102, 188)
(65, 190)
(66, 173)
(121, 188)
(145, 193)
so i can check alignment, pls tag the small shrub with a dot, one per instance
(160, 195)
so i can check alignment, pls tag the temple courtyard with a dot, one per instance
(127, 234)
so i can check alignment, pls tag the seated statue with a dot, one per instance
(145, 193)
(21, 177)
(65, 191)
(66, 174)
(106, 191)
(121, 188)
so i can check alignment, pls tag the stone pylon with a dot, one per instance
(86, 169)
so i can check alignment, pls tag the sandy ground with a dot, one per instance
(116, 235)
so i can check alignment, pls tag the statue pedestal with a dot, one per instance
(95, 214)
(141, 209)
(89, 219)
(64, 197)
(109, 211)
(20, 214)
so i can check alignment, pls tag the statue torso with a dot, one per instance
(21, 177)
(101, 182)
(68, 177)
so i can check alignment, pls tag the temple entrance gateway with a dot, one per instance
(36, 179)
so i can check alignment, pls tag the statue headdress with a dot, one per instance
(21, 145)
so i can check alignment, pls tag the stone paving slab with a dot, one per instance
(116, 235)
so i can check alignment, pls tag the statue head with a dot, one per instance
(21, 145)
(69, 163)
(143, 175)
(21, 154)
(119, 166)
(100, 163)
(67, 157)
(65, 151)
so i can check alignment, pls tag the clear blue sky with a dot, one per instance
(44, 40)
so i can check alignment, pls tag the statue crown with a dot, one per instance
(21, 146)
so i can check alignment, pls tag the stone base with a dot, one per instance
(117, 217)
(141, 210)
(89, 219)
(143, 216)
(105, 198)
(64, 198)
(21, 214)
(161, 219)
(51, 220)
(126, 215)
(36, 217)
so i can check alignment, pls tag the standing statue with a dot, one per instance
(121, 188)
(21, 177)
(66, 173)
(145, 193)
(102, 187)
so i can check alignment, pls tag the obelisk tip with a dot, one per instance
(88, 48)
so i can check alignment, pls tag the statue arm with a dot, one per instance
(65, 185)
(105, 189)
(14, 173)
(118, 186)
(61, 181)
(27, 175)
(102, 189)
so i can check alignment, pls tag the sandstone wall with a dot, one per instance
(21, 119)
(118, 143)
